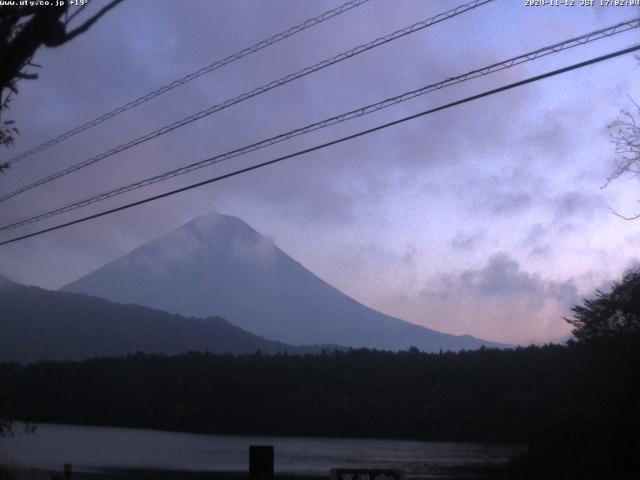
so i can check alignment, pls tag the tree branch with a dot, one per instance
(73, 15)
(86, 25)
(635, 217)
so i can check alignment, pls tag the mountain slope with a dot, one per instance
(38, 324)
(219, 265)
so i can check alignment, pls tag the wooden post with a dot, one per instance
(261, 462)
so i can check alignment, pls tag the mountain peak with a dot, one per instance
(218, 265)
(220, 226)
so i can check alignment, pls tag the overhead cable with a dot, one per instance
(250, 94)
(527, 57)
(192, 76)
(328, 144)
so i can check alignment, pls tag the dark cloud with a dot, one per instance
(536, 233)
(511, 188)
(568, 213)
(510, 202)
(576, 205)
(542, 251)
(409, 255)
(463, 241)
(503, 278)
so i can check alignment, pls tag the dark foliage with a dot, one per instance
(485, 395)
(597, 434)
(610, 315)
(6, 473)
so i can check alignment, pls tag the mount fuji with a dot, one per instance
(217, 265)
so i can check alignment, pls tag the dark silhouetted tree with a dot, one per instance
(625, 134)
(595, 434)
(23, 30)
(610, 314)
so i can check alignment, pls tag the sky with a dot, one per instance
(489, 218)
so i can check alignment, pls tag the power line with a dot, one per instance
(192, 76)
(333, 142)
(250, 94)
(530, 56)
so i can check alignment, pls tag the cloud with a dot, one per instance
(502, 277)
(541, 251)
(536, 233)
(463, 241)
(506, 187)
(409, 255)
(510, 202)
(501, 301)
(576, 205)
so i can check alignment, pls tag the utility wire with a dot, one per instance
(333, 142)
(192, 76)
(527, 57)
(252, 93)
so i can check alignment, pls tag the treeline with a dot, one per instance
(483, 395)
(575, 406)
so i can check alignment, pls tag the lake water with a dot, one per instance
(100, 448)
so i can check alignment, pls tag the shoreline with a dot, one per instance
(150, 473)
(169, 474)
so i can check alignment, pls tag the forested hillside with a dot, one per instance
(486, 395)
(38, 324)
